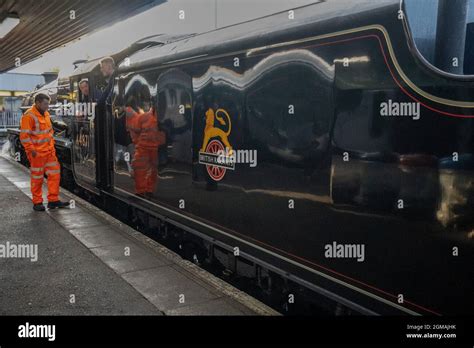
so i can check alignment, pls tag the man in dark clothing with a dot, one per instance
(107, 68)
(85, 91)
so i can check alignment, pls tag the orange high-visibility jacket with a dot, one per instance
(37, 132)
(143, 128)
(131, 123)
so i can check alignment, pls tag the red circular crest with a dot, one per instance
(215, 172)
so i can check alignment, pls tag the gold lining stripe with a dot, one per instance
(289, 260)
(400, 71)
(418, 90)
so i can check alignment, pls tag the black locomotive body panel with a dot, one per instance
(318, 161)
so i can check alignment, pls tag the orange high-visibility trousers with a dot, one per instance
(145, 168)
(45, 164)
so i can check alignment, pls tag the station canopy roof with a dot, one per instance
(47, 24)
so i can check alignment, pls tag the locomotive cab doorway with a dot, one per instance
(87, 86)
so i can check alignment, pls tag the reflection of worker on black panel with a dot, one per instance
(142, 124)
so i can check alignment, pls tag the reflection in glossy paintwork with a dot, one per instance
(311, 109)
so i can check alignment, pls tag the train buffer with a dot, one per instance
(81, 261)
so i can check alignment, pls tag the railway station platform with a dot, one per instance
(88, 263)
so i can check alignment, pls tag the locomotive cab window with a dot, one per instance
(443, 37)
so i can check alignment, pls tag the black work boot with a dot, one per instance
(39, 207)
(58, 204)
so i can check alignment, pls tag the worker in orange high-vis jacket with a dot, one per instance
(37, 139)
(146, 136)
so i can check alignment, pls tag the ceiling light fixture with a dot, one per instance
(8, 24)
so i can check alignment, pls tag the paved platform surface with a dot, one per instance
(88, 263)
